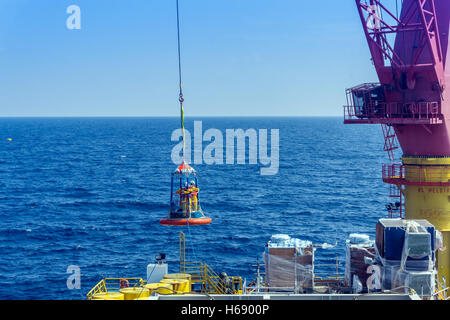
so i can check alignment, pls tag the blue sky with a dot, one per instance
(240, 57)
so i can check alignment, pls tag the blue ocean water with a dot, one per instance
(90, 192)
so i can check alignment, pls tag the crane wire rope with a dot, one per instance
(181, 100)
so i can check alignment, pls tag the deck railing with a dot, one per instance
(416, 175)
(202, 273)
(383, 112)
(208, 278)
(113, 285)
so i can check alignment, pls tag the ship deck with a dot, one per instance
(288, 296)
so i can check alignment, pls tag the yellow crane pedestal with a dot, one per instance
(426, 189)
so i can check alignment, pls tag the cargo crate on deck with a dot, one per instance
(406, 249)
(390, 241)
(289, 264)
(360, 252)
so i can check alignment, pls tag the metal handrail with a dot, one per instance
(416, 175)
(98, 288)
(113, 284)
(439, 293)
(329, 278)
(395, 110)
(203, 273)
(213, 279)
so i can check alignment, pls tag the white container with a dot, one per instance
(156, 272)
(356, 238)
(421, 282)
(279, 238)
(417, 244)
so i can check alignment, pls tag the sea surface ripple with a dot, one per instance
(90, 192)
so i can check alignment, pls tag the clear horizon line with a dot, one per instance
(199, 116)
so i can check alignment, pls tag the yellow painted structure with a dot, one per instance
(108, 296)
(179, 285)
(426, 191)
(133, 293)
(152, 286)
(160, 288)
(187, 287)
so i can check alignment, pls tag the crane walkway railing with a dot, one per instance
(394, 112)
(400, 174)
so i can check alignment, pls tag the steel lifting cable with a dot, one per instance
(190, 237)
(180, 98)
